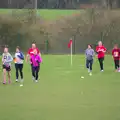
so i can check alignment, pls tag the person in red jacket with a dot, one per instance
(100, 49)
(30, 53)
(116, 56)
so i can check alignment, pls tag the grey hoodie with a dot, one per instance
(89, 54)
(7, 59)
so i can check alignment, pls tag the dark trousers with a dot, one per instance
(89, 64)
(101, 60)
(35, 72)
(116, 62)
(32, 70)
(19, 68)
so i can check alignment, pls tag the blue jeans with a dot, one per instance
(89, 64)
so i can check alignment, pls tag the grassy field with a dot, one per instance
(61, 94)
(46, 14)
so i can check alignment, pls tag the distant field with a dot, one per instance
(46, 14)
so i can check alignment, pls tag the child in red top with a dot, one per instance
(116, 56)
(100, 49)
(31, 51)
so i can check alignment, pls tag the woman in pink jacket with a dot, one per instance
(35, 61)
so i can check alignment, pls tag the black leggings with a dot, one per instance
(116, 64)
(19, 68)
(89, 64)
(35, 71)
(32, 70)
(101, 60)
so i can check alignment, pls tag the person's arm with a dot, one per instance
(31, 60)
(3, 58)
(39, 59)
(21, 56)
(39, 53)
(97, 49)
(93, 53)
(86, 52)
(104, 49)
(14, 58)
(28, 55)
(10, 59)
(119, 54)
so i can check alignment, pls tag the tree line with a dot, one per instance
(57, 4)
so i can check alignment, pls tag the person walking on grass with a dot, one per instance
(6, 61)
(35, 62)
(31, 53)
(89, 58)
(116, 57)
(100, 49)
(18, 60)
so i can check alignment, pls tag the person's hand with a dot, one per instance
(27, 57)
(26, 60)
(103, 50)
(99, 50)
(4, 61)
(17, 59)
(7, 66)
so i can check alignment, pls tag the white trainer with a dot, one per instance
(90, 74)
(21, 85)
(16, 80)
(36, 81)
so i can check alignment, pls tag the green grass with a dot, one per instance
(61, 94)
(53, 14)
(46, 14)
